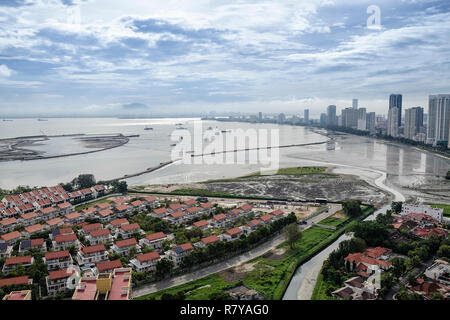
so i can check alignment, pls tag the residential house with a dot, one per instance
(138, 205)
(124, 246)
(175, 207)
(252, 225)
(208, 240)
(8, 225)
(145, 262)
(219, 220)
(11, 238)
(159, 213)
(99, 236)
(58, 260)
(177, 253)
(153, 240)
(65, 208)
(116, 224)
(206, 208)
(176, 217)
(58, 280)
(277, 214)
(22, 280)
(47, 213)
(233, 234)
(29, 219)
(108, 266)
(92, 254)
(128, 230)
(151, 201)
(105, 215)
(266, 219)
(202, 224)
(122, 210)
(18, 295)
(439, 271)
(53, 223)
(14, 262)
(73, 218)
(29, 231)
(65, 241)
(38, 244)
(89, 227)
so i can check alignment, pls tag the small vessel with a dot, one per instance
(42, 119)
(7, 120)
(173, 144)
(209, 128)
(180, 128)
(179, 124)
(148, 128)
(225, 131)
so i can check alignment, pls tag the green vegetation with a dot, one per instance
(296, 171)
(271, 273)
(201, 192)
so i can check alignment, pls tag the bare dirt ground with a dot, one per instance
(275, 254)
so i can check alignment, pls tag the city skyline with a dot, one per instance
(63, 57)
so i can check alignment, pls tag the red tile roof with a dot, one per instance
(57, 255)
(99, 233)
(93, 249)
(91, 227)
(277, 213)
(65, 238)
(9, 221)
(47, 210)
(210, 239)
(11, 236)
(118, 222)
(136, 203)
(177, 214)
(149, 199)
(34, 228)
(89, 210)
(246, 207)
(129, 227)
(29, 215)
(266, 217)
(190, 202)
(150, 256)
(201, 223)
(103, 205)
(122, 207)
(160, 211)
(18, 260)
(105, 212)
(233, 231)
(54, 221)
(193, 209)
(72, 215)
(64, 205)
(155, 236)
(376, 252)
(126, 243)
(206, 205)
(108, 265)
(219, 217)
(60, 274)
(175, 206)
(15, 280)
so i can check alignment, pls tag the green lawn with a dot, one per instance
(333, 221)
(269, 275)
(446, 207)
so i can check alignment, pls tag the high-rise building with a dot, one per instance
(260, 116)
(306, 116)
(395, 101)
(331, 116)
(392, 126)
(362, 119)
(355, 103)
(438, 119)
(370, 121)
(323, 119)
(350, 118)
(281, 118)
(413, 122)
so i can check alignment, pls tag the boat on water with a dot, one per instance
(42, 119)
(225, 131)
(7, 120)
(209, 128)
(180, 128)
(148, 128)
(173, 144)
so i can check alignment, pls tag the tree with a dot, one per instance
(84, 181)
(352, 208)
(67, 187)
(163, 268)
(397, 206)
(119, 186)
(448, 175)
(444, 251)
(292, 234)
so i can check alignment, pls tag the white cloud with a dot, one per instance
(5, 71)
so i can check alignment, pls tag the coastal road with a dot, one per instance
(235, 261)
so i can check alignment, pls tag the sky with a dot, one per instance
(114, 57)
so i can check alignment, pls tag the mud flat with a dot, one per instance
(23, 148)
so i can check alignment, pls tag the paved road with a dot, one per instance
(249, 255)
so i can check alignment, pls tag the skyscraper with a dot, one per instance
(370, 121)
(395, 101)
(323, 119)
(306, 116)
(350, 118)
(355, 103)
(362, 119)
(392, 122)
(260, 116)
(331, 116)
(438, 119)
(413, 121)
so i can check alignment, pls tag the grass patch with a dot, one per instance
(446, 207)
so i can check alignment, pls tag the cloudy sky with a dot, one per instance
(111, 57)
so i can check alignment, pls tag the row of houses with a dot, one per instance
(15, 205)
(420, 224)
